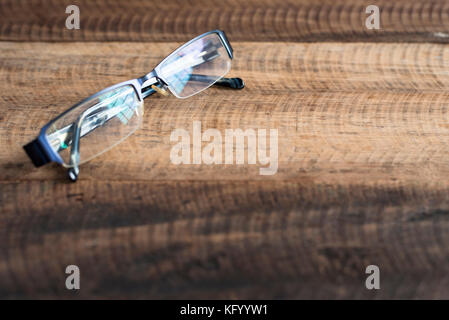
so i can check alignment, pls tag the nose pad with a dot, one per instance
(160, 90)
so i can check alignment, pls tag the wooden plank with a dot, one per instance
(253, 20)
(223, 239)
(338, 117)
(363, 177)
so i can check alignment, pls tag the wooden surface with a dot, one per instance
(363, 154)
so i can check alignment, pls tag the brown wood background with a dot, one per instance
(363, 153)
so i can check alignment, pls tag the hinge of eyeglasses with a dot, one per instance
(160, 90)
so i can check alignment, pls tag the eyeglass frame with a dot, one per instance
(40, 150)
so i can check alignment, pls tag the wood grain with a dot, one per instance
(223, 239)
(362, 179)
(335, 106)
(249, 20)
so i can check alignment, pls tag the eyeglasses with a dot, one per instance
(108, 117)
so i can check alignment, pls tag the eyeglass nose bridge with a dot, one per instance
(149, 81)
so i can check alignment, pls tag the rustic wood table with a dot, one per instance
(363, 144)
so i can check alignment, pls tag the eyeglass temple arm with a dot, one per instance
(76, 135)
(74, 150)
(232, 83)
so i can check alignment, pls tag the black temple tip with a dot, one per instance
(234, 83)
(36, 153)
(238, 83)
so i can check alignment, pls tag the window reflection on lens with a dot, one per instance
(196, 66)
(107, 120)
